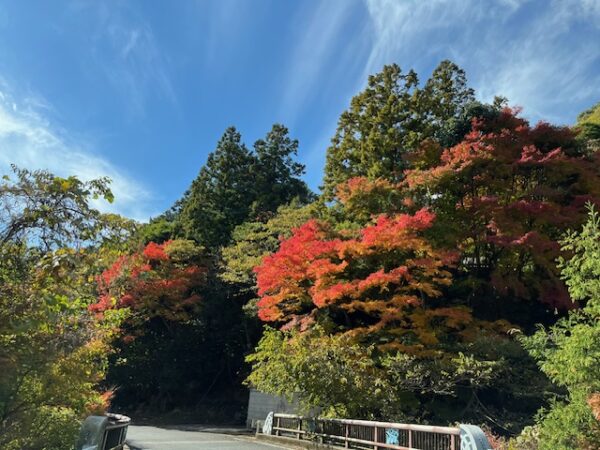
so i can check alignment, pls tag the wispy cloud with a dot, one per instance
(319, 30)
(549, 69)
(29, 140)
(522, 49)
(124, 48)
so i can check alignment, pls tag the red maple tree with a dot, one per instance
(381, 282)
(151, 283)
(506, 194)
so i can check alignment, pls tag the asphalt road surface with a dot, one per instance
(188, 438)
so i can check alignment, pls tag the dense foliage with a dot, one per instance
(160, 281)
(440, 264)
(588, 128)
(386, 285)
(569, 351)
(53, 353)
(252, 241)
(368, 283)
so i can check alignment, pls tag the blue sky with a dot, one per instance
(141, 91)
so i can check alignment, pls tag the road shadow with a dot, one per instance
(217, 429)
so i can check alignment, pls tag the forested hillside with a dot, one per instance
(448, 271)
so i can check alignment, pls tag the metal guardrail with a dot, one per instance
(365, 434)
(106, 432)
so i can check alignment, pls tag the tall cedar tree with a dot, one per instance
(277, 173)
(391, 118)
(205, 340)
(237, 185)
(221, 195)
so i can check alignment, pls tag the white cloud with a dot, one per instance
(30, 141)
(534, 56)
(405, 28)
(548, 68)
(137, 68)
(124, 48)
(317, 40)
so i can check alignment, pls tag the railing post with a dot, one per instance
(299, 428)
(409, 438)
(347, 435)
(277, 425)
(375, 437)
(320, 430)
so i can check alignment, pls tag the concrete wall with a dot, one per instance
(260, 404)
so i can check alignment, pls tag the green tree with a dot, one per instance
(390, 119)
(588, 127)
(331, 373)
(53, 353)
(234, 186)
(221, 196)
(569, 352)
(444, 98)
(277, 173)
(343, 377)
(158, 229)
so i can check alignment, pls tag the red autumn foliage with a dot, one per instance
(381, 281)
(507, 192)
(155, 252)
(150, 284)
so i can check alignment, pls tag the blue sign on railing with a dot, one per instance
(392, 436)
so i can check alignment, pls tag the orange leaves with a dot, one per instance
(362, 190)
(531, 155)
(371, 279)
(363, 198)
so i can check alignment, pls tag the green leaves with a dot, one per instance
(252, 241)
(237, 185)
(49, 212)
(582, 272)
(52, 352)
(328, 372)
(390, 119)
(569, 352)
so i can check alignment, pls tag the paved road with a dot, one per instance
(187, 438)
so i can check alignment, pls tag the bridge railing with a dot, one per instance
(366, 434)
